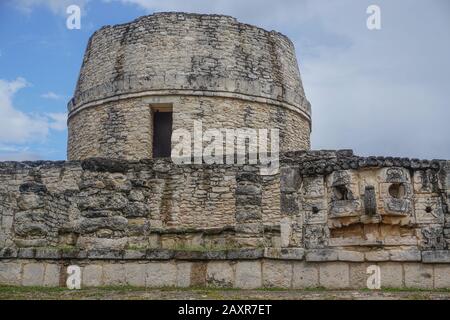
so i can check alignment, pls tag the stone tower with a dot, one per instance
(161, 72)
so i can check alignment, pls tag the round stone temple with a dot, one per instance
(141, 80)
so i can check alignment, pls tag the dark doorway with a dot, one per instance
(162, 134)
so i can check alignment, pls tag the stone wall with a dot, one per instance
(324, 207)
(124, 129)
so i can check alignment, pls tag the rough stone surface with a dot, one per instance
(160, 275)
(391, 275)
(135, 274)
(334, 275)
(350, 256)
(111, 209)
(33, 274)
(10, 273)
(418, 275)
(321, 255)
(277, 274)
(92, 276)
(441, 276)
(220, 274)
(248, 275)
(184, 270)
(305, 275)
(358, 275)
(52, 275)
(436, 256)
(405, 255)
(377, 256)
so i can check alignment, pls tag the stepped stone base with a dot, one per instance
(244, 269)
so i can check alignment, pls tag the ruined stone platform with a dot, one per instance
(320, 222)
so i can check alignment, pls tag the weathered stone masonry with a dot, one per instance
(206, 67)
(157, 224)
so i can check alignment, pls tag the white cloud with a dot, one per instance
(378, 92)
(20, 156)
(55, 6)
(15, 153)
(51, 95)
(17, 127)
(58, 121)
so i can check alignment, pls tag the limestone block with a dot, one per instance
(47, 253)
(418, 275)
(160, 275)
(391, 275)
(321, 255)
(436, 256)
(334, 275)
(305, 275)
(286, 231)
(92, 276)
(198, 274)
(134, 254)
(52, 275)
(248, 275)
(442, 276)
(358, 275)
(184, 270)
(219, 274)
(247, 254)
(405, 255)
(284, 253)
(114, 274)
(33, 274)
(26, 253)
(10, 273)
(351, 256)
(277, 274)
(377, 256)
(135, 274)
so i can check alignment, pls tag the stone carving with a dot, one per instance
(316, 236)
(344, 195)
(396, 192)
(433, 238)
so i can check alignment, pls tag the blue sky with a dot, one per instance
(382, 92)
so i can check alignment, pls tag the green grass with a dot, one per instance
(211, 293)
(19, 289)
